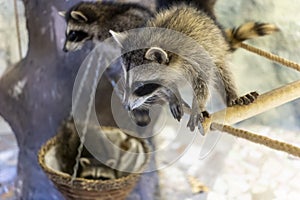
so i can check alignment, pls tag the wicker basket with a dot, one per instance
(84, 189)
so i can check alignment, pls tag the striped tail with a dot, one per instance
(249, 30)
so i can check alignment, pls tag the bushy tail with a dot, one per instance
(249, 30)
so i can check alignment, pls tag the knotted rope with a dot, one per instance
(266, 101)
(271, 56)
(259, 139)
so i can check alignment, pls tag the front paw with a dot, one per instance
(244, 100)
(176, 110)
(196, 120)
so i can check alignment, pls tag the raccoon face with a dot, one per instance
(146, 74)
(141, 96)
(75, 39)
(93, 169)
(78, 30)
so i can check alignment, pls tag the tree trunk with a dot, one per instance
(36, 95)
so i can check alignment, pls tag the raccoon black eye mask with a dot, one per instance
(146, 89)
(77, 36)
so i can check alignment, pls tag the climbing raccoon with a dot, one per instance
(93, 20)
(171, 70)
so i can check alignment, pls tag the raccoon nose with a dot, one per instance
(127, 107)
(65, 49)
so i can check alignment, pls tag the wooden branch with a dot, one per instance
(263, 103)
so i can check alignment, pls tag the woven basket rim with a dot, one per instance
(51, 142)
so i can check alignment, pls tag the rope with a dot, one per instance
(271, 56)
(259, 139)
(252, 137)
(18, 28)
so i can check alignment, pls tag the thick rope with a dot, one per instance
(264, 102)
(259, 139)
(271, 56)
(18, 28)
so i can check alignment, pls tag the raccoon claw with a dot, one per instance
(176, 110)
(141, 117)
(196, 120)
(245, 100)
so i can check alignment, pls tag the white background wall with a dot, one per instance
(253, 72)
(9, 51)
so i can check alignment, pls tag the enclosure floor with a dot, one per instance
(236, 169)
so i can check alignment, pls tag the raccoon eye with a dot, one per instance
(146, 89)
(77, 36)
(89, 177)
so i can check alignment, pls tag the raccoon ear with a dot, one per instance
(62, 13)
(79, 16)
(157, 54)
(118, 37)
(84, 162)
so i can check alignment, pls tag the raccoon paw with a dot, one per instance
(245, 100)
(196, 120)
(176, 110)
(141, 117)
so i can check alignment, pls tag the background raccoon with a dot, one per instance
(93, 20)
(67, 147)
(91, 168)
(198, 25)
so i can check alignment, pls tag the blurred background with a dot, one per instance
(235, 169)
(11, 52)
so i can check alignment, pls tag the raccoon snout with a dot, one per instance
(127, 107)
(141, 117)
(65, 49)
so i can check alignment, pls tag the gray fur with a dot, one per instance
(199, 67)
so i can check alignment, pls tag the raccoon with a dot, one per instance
(67, 146)
(91, 168)
(92, 21)
(68, 142)
(198, 25)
